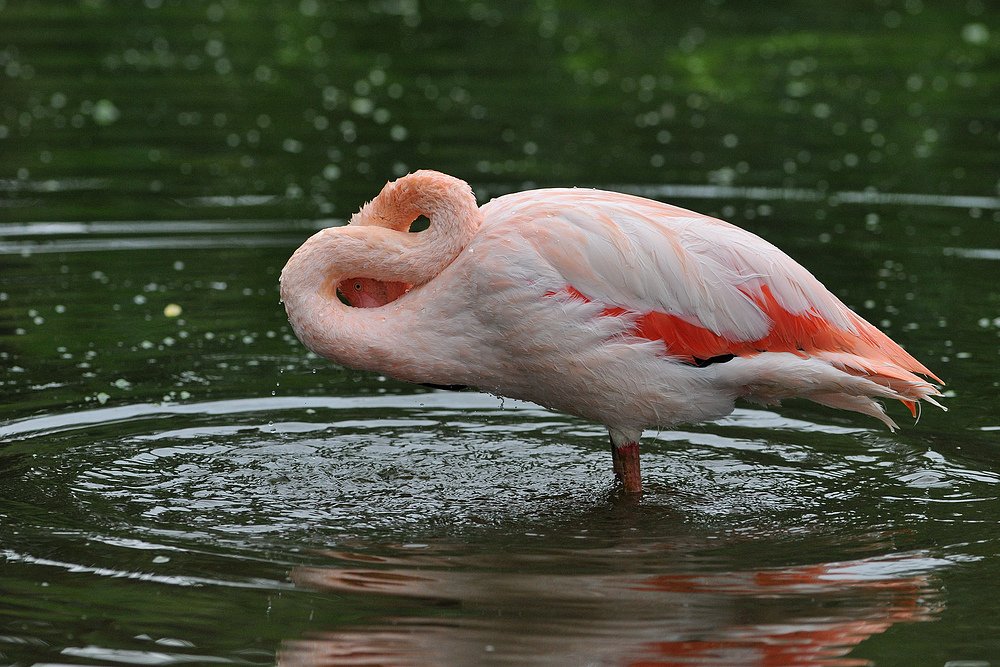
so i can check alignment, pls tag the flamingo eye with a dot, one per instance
(357, 287)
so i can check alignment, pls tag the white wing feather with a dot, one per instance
(646, 256)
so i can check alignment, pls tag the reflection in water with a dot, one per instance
(804, 615)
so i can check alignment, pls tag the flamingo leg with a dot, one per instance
(625, 460)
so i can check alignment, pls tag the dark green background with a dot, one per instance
(161, 478)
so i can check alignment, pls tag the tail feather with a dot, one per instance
(862, 404)
(876, 345)
(907, 387)
(834, 379)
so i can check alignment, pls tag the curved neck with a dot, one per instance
(376, 245)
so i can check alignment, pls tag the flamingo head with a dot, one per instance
(370, 293)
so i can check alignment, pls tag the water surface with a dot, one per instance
(182, 482)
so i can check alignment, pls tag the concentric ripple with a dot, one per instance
(457, 463)
(449, 527)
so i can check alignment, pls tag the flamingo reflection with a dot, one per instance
(798, 616)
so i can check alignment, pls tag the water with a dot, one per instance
(181, 482)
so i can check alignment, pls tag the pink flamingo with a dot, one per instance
(614, 308)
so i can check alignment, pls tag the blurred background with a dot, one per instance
(182, 482)
(164, 109)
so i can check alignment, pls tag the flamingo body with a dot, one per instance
(614, 308)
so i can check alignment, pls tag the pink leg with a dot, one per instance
(625, 460)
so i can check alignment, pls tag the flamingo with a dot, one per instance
(618, 309)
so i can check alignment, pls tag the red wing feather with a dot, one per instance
(866, 351)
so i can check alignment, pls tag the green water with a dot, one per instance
(182, 482)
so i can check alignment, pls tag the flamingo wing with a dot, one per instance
(703, 287)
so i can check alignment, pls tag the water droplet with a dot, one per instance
(975, 33)
(105, 112)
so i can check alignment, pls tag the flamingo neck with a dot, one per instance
(376, 245)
